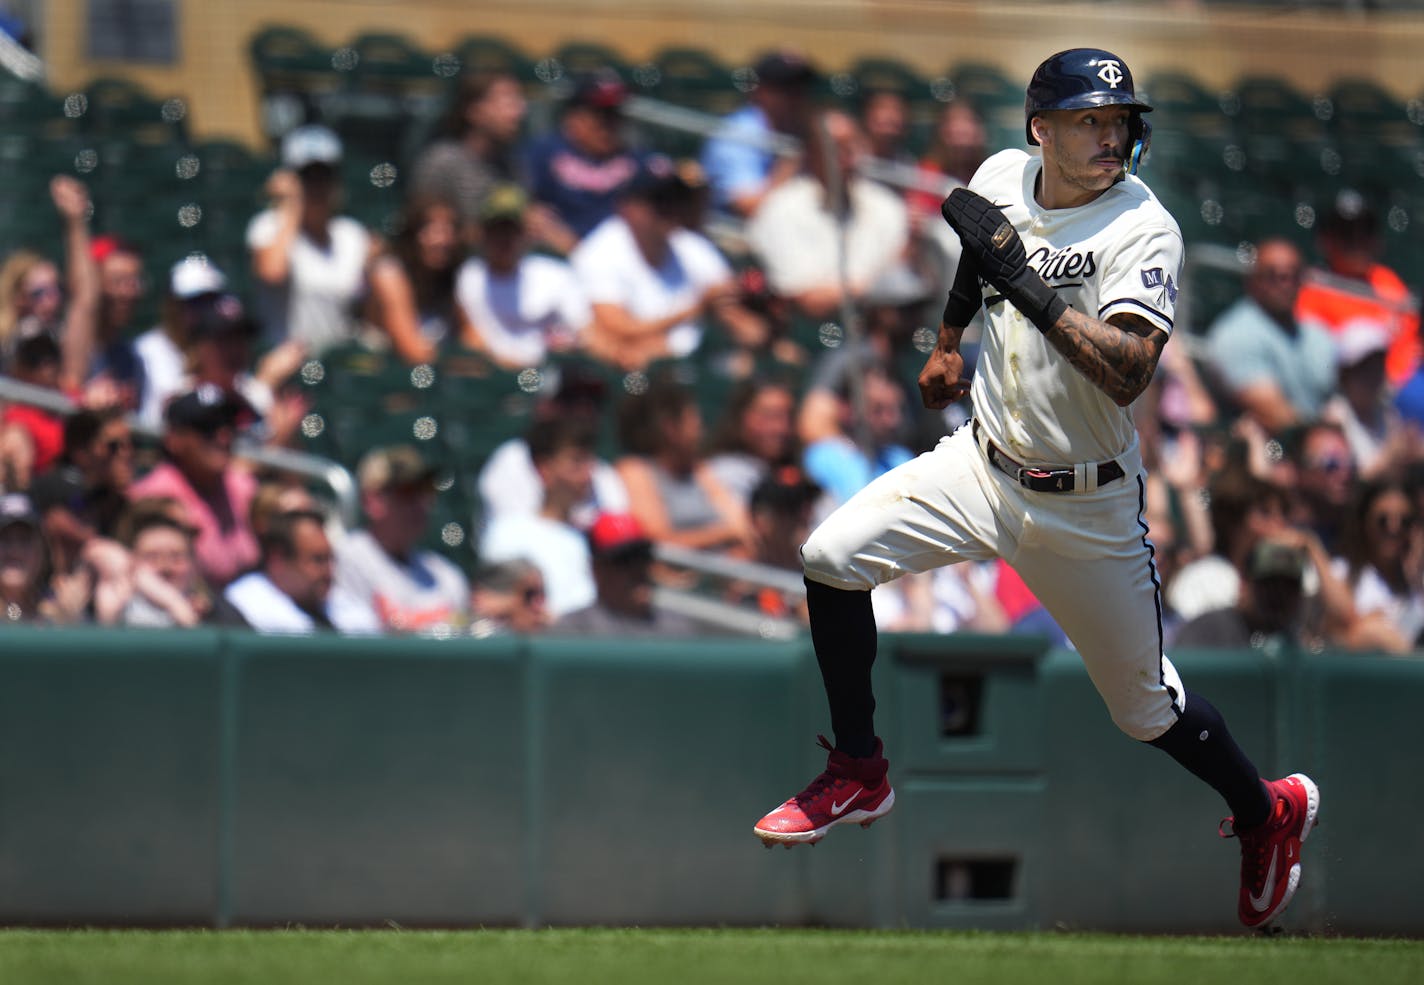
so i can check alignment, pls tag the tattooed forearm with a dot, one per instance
(1117, 357)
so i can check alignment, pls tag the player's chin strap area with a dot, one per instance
(1083, 477)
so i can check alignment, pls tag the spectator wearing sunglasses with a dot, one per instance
(1278, 369)
(1324, 480)
(1382, 561)
(99, 447)
(198, 472)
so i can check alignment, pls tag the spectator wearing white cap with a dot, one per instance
(161, 347)
(1381, 440)
(309, 262)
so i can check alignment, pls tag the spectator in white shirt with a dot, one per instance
(651, 281)
(310, 263)
(293, 591)
(517, 307)
(410, 589)
(802, 226)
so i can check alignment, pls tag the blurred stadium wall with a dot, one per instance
(1215, 42)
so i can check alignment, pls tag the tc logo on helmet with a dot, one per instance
(1111, 73)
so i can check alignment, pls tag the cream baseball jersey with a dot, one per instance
(1122, 252)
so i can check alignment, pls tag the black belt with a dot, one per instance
(1060, 478)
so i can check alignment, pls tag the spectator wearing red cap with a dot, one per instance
(622, 571)
(199, 473)
(121, 288)
(576, 173)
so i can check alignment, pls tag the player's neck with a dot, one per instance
(1052, 191)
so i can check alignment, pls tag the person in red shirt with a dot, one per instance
(1358, 286)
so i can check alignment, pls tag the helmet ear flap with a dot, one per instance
(1139, 140)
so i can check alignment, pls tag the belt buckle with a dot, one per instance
(1058, 477)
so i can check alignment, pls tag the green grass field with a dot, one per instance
(687, 957)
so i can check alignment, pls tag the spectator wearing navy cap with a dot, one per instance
(309, 261)
(651, 281)
(199, 473)
(622, 557)
(576, 173)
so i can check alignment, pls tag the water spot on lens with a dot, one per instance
(830, 335)
(187, 167)
(76, 104)
(86, 160)
(173, 110)
(313, 425)
(942, 89)
(529, 380)
(447, 66)
(190, 215)
(383, 175)
(924, 339)
(313, 372)
(425, 428)
(635, 383)
(345, 59)
(452, 534)
(422, 377)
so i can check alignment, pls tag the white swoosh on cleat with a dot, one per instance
(1263, 903)
(838, 809)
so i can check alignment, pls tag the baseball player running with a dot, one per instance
(1076, 264)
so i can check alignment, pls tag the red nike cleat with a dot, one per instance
(1270, 852)
(851, 790)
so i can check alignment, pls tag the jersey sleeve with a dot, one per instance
(1143, 275)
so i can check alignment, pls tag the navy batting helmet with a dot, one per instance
(1077, 79)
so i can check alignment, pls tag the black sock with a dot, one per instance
(843, 633)
(1201, 742)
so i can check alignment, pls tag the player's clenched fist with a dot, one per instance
(999, 256)
(942, 379)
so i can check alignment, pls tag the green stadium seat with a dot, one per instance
(120, 107)
(1181, 103)
(485, 55)
(1361, 108)
(694, 78)
(391, 56)
(1261, 104)
(887, 73)
(582, 58)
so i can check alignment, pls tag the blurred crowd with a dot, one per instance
(1283, 439)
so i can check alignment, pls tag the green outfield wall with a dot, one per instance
(227, 779)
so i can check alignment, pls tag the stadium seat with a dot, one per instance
(1181, 103)
(694, 78)
(482, 54)
(120, 107)
(1261, 104)
(1361, 108)
(581, 58)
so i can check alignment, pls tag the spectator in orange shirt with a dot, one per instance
(1360, 286)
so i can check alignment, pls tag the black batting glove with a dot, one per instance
(998, 254)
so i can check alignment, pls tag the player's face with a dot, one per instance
(1085, 147)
